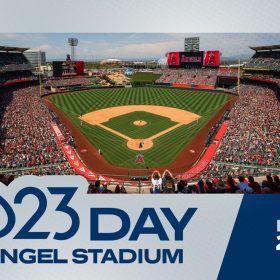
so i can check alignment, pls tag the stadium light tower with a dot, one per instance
(39, 71)
(73, 42)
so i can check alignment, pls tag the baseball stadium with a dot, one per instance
(192, 126)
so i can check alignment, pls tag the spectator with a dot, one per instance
(123, 190)
(254, 185)
(210, 187)
(156, 182)
(243, 186)
(117, 189)
(270, 183)
(182, 186)
(168, 184)
(200, 185)
(97, 185)
(92, 189)
(276, 181)
(192, 189)
(231, 184)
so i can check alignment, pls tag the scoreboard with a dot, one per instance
(68, 68)
(193, 59)
(185, 59)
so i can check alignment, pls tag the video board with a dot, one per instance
(185, 59)
(211, 58)
(173, 59)
(191, 59)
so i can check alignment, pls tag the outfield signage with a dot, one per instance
(50, 228)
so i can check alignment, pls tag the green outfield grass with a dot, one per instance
(144, 77)
(166, 147)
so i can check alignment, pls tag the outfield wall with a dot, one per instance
(182, 87)
(164, 86)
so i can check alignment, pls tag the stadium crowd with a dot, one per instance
(13, 62)
(101, 187)
(167, 184)
(187, 76)
(57, 169)
(253, 135)
(273, 79)
(59, 82)
(228, 72)
(7, 77)
(26, 139)
(265, 60)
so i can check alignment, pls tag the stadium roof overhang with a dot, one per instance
(266, 48)
(12, 49)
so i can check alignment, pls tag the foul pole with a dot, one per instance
(39, 72)
(238, 77)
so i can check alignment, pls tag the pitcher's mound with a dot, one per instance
(139, 123)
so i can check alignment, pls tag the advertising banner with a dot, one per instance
(59, 135)
(51, 229)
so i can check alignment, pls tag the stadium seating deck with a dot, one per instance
(265, 60)
(189, 76)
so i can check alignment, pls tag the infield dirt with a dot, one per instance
(181, 117)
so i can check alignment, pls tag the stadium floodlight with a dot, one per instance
(73, 42)
(192, 44)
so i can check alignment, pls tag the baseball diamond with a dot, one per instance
(172, 118)
(186, 116)
(158, 126)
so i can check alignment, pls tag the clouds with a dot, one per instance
(136, 45)
(131, 47)
(140, 16)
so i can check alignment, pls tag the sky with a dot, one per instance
(165, 16)
(95, 46)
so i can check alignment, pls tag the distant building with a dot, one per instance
(162, 61)
(110, 61)
(129, 72)
(35, 57)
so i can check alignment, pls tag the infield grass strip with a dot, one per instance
(144, 77)
(124, 124)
